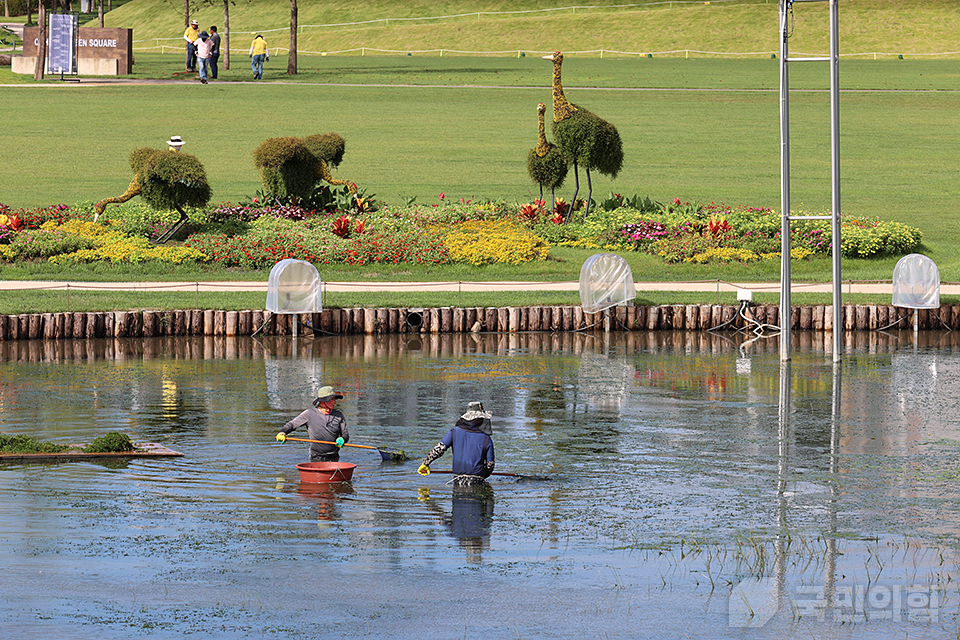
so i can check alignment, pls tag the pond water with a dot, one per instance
(695, 488)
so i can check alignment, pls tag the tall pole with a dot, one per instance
(784, 187)
(835, 172)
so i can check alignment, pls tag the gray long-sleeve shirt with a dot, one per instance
(321, 426)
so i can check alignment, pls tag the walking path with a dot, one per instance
(334, 287)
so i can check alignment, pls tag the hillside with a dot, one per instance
(869, 28)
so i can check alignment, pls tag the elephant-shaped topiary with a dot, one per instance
(290, 168)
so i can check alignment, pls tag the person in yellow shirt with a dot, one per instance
(191, 35)
(258, 52)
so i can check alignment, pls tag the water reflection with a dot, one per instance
(469, 518)
(683, 465)
(326, 496)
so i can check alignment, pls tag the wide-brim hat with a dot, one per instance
(194, 22)
(475, 410)
(325, 394)
(175, 141)
(204, 35)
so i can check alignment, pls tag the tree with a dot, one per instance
(42, 42)
(226, 35)
(292, 59)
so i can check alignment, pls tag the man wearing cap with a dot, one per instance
(473, 459)
(191, 35)
(324, 422)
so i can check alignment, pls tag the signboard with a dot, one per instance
(92, 43)
(63, 43)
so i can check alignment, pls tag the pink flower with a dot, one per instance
(441, 195)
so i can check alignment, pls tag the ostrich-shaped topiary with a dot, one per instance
(166, 179)
(292, 167)
(585, 138)
(546, 162)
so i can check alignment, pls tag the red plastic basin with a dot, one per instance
(326, 471)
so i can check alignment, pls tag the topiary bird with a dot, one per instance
(546, 163)
(166, 179)
(585, 138)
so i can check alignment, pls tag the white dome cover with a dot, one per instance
(605, 281)
(294, 287)
(916, 283)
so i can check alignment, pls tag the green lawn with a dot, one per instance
(738, 27)
(69, 143)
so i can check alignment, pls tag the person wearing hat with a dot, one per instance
(204, 47)
(175, 143)
(470, 439)
(191, 35)
(324, 422)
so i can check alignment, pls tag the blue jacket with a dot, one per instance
(472, 449)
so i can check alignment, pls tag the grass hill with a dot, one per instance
(868, 28)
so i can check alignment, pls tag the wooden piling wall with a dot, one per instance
(193, 322)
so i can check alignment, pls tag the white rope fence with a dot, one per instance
(520, 53)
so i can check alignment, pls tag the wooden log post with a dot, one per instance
(457, 322)
(369, 321)
(567, 315)
(180, 322)
(244, 323)
(490, 319)
(232, 323)
(678, 317)
(534, 316)
(513, 319)
(383, 320)
(49, 327)
(556, 319)
(208, 328)
(862, 317)
(34, 326)
(220, 322)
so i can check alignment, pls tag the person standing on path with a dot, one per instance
(191, 35)
(324, 422)
(204, 47)
(258, 52)
(214, 52)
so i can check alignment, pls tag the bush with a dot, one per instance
(112, 442)
(26, 444)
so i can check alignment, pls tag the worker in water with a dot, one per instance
(324, 422)
(472, 445)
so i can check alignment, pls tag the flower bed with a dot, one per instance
(256, 236)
